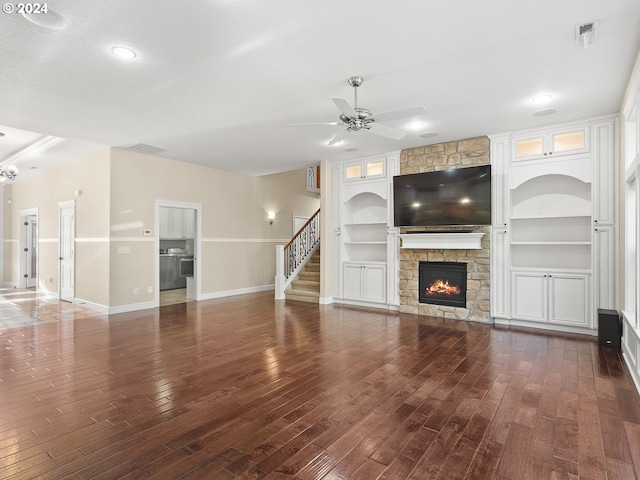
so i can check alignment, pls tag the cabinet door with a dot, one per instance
(352, 281)
(353, 171)
(500, 155)
(568, 299)
(188, 223)
(374, 169)
(605, 268)
(375, 280)
(532, 146)
(569, 141)
(165, 222)
(499, 274)
(529, 296)
(175, 229)
(604, 178)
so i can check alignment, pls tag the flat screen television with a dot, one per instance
(460, 196)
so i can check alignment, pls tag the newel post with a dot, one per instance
(280, 279)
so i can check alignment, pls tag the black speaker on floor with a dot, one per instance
(609, 327)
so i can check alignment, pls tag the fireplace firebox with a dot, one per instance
(443, 283)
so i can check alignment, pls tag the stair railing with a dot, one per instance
(290, 258)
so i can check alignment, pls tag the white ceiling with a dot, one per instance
(216, 81)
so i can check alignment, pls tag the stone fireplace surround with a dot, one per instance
(442, 156)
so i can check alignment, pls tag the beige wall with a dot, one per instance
(116, 202)
(90, 178)
(238, 242)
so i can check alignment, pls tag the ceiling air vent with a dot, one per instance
(586, 33)
(145, 148)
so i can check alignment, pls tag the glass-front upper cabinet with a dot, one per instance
(555, 142)
(364, 169)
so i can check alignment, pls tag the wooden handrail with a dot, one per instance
(301, 229)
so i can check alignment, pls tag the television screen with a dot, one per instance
(460, 196)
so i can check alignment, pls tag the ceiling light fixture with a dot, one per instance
(8, 173)
(428, 134)
(544, 112)
(46, 19)
(542, 98)
(123, 52)
(415, 125)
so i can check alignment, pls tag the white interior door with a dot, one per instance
(299, 221)
(67, 242)
(30, 251)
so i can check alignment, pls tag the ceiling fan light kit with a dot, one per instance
(356, 118)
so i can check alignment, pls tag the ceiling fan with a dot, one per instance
(356, 118)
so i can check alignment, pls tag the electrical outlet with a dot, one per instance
(149, 289)
(135, 291)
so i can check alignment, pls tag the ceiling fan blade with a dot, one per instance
(385, 131)
(338, 137)
(397, 114)
(345, 107)
(312, 124)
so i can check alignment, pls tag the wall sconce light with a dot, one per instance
(272, 216)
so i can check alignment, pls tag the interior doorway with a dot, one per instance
(178, 246)
(29, 248)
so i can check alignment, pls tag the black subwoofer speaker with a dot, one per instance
(609, 327)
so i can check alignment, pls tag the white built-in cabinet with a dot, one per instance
(364, 282)
(554, 225)
(177, 223)
(365, 242)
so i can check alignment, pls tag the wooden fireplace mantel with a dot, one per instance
(449, 240)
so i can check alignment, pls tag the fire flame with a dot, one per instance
(442, 287)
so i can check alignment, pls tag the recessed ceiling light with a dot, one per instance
(123, 52)
(542, 98)
(351, 149)
(546, 111)
(428, 134)
(415, 125)
(48, 19)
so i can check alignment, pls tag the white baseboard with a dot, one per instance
(549, 327)
(93, 306)
(231, 293)
(131, 307)
(326, 300)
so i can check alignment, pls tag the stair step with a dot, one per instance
(302, 295)
(310, 276)
(305, 285)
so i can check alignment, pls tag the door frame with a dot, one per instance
(62, 206)
(23, 215)
(197, 245)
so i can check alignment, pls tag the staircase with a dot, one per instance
(306, 286)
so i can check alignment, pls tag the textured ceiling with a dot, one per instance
(215, 82)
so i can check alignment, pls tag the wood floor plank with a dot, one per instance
(248, 387)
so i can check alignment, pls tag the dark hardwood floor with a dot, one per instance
(250, 388)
